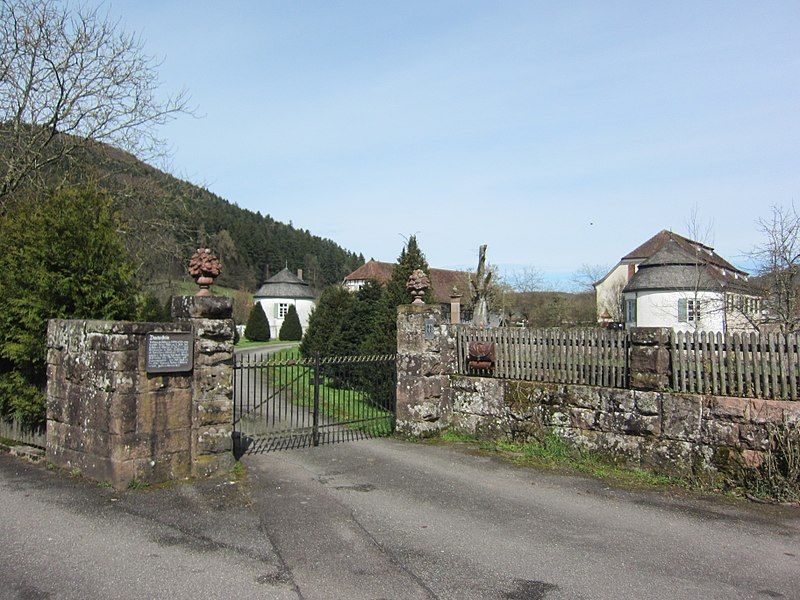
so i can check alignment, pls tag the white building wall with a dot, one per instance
(304, 306)
(660, 309)
(353, 285)
(609, 290)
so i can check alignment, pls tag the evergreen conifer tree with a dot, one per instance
(65, 260)
(359, 321)
(410, 259)
(327, 322)
(291, 330)
(383, 337)
(257, 328)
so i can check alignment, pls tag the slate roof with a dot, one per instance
(673, 267)
(284, 284)
(442, 280)
(655, 243)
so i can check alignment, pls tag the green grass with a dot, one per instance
(336, 404)
(189, 288)
(135, 484)
(245, 343)
(555, 454)
(239, 470)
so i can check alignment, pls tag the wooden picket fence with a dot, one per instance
(738, 364)
(580, 356)
(12, 430)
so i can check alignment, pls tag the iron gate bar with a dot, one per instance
(284, 403)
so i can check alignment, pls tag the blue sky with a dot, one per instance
(558, 133)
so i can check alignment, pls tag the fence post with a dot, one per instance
(315, 426)
(649, 358)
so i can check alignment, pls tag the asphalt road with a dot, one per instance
(391, 519)
(68, 538)
(385, 519)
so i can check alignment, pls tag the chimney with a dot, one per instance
(299, 273)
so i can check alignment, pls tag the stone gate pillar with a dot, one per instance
(212, 380)
(426, 357)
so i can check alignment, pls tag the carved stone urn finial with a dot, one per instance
(418, 282)
(204, 267)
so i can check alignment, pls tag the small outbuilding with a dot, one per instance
(280, 291)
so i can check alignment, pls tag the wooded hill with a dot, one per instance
(166, 218)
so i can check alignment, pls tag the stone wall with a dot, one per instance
(112, 421)
(643, 426)
(675, 434)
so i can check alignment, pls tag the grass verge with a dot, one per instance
(553, 453)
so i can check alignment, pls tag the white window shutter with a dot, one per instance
(275, 310)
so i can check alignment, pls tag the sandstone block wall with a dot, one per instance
(105, 415)
(675, 434)
(645, 425)
(113, 421)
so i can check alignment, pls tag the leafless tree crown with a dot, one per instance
(71, 75)
(778, 260)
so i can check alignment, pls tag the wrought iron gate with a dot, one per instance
(282, 402)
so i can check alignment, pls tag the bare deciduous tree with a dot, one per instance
(587, 275)
(778, 261)
(526, 279)
(68, 76)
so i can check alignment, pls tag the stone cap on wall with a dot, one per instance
(649, 336)
(61, 330)
(202, 307)
(415, 309)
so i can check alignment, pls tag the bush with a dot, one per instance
(63, 259)
(291, 331)
(152, 310)
(257, 328)
(22, 400)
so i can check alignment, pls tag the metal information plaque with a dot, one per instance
(169, 352)
(429, 325)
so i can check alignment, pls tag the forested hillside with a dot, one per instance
(167, 218)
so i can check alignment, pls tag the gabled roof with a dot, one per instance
(442, 280)
(372, 270)
(284, 284)
(673, 267)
